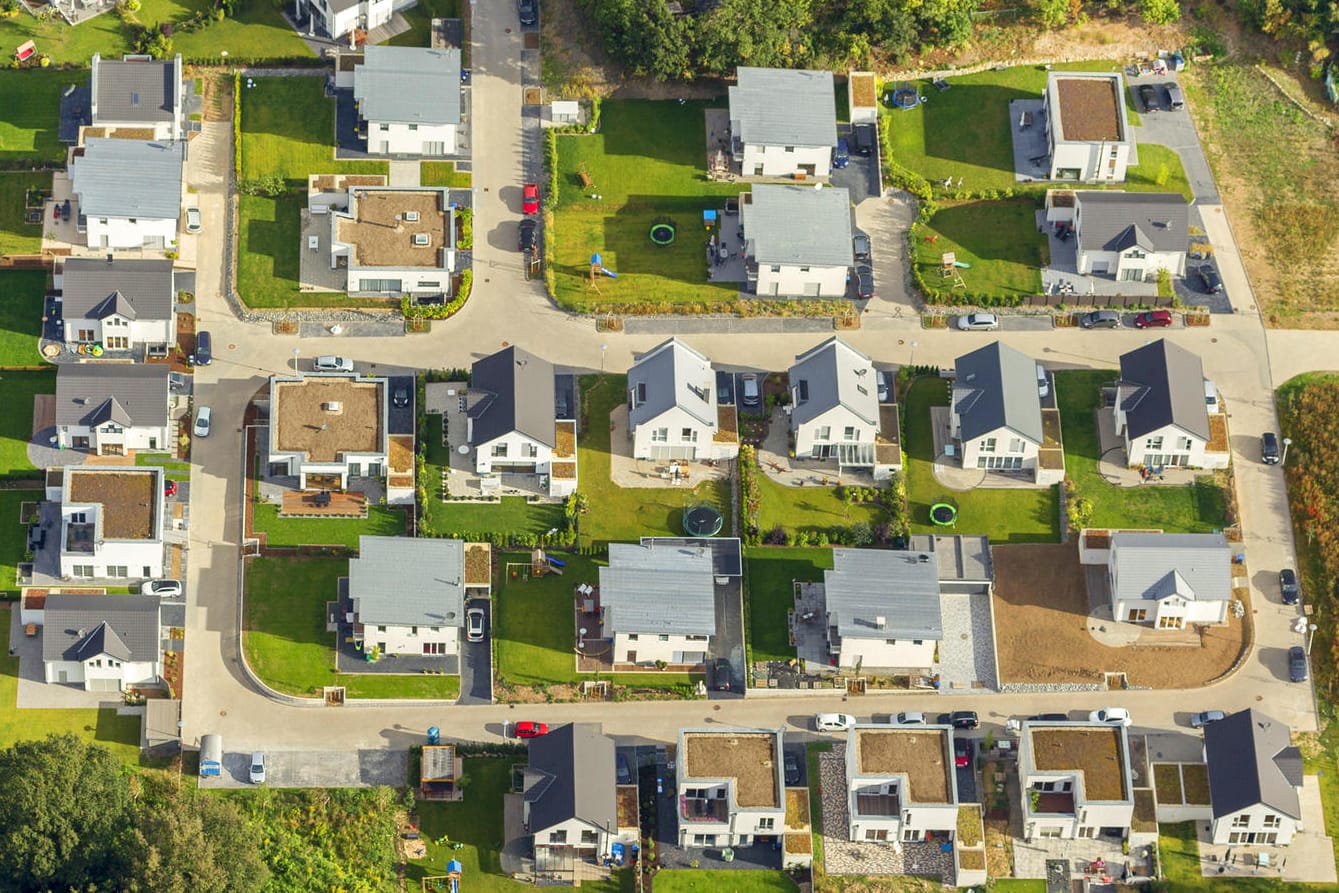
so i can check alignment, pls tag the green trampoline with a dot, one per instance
(662, 232)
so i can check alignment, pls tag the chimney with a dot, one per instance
(880, 622)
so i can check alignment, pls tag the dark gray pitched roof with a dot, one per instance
(672, 374)
(77, 627)
(1115, 221)
(658, 589)
(574, 765)
(996, 387)
(799, 225)
(1251, 761)
(1153, 566)
(783, 107)
(140, 90)
(137, 289)
(409, 85)
(1162, 384)
(833, 374)
(512, 390)
(867, 584)
(408, 582)
(134, 395)
(128, 178)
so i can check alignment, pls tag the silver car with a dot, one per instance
(978, 322)
(474, 625)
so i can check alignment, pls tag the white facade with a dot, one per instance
(819, 437)
(795, 280)
(1132, 265)
(887, 654)
(391, 138)
(338, 19)
(880, 805)
(761, 160)
(1002, 448)
(1089, 160)
(110, 559)
(677, 434)
(577, 835)
(110, 439)
(1259, 825)
(512, 452)
(116, 332)
(672, 648)
(1169, 445)
(390, 639)
(1057, 802)
(127, 232)
(710, 811)
(102, 673)
(1172, 612)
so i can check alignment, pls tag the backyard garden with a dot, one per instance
(22, 293)
(30, 114)
(770, 573)
(17, 235)
(995, 242)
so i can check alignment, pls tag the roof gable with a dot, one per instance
(571, 773)
(668, 375)
(996, 387)
(1251, 761)
(830, 375)
(1162, 384)
(1155, 566)
(133, 395)
(135, 289)
(78, 627)
(1118, 221)
(512, 390)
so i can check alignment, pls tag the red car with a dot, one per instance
(531, 729)
(962, 753)
(169, 488)
(1153, 319)
(530, 202)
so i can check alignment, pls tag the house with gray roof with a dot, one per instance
(119, 304)
(797, 240)
(835, 414)
(1161, 410)
(338, 19)
(409, 99)
(883, 610)
(1087, 129)
(1169, 580)
(995, 412)
(1130, 236)
(408, 595)
(110, 409)
(658, 603)
(138, 92)
(102, 642)
(520, 421)
(1255, 780)
(673, 407)
(128, 192)
(783, 122)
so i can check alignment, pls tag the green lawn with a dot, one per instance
(770, 570)
(622, 514)
(999, 239)
(467, 520)
(16, 235)
(1180, 855)
(30, 115)
(442, 173)
(286, 641)
(694, 880)
(420, 16)
(809, 508)
(380, 521)
(21, 300)
(1159, 170)
(1019, 885)
(1200, 508)
(13, 538)
(16, 422)
(647, 163)
(288, 130)
(1004, 515)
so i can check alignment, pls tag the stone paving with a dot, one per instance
(967, 651)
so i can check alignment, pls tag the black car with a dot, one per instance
(1148, 95)
(1209, 279)
(1049, 717)
(791, 767)
(36, 538)
(622, 772)
(400, 396)
(864, 275)
(720, 674)
(960, 719)
(1269, 448)
(1288, 586)
(1100, 319)
(527, 235)
(529, 10)
(864, 136)
(1297, 664)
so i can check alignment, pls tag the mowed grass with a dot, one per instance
(999, 239)
(443, 173)
(512, 515)
(420, 16)
(1004, 515)
(13, 538)
(21, 302)
(16, 235)
(771, 572)
(16, 422)
(693, 880)
(1200, 508)
(288, 130)
(1159, 170)
(809, 508)
(380, 521)
(30, 112)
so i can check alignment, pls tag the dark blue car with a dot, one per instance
(1297, 663)
(841, 156)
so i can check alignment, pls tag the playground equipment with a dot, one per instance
(702, 521)
(949, 266)
(453, 870)
(597, 269)
(905, 97)
(944, 514)
(541, 564)
(662, 232)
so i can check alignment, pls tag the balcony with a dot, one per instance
(877, 804)
(703, 809)
(1054, 803)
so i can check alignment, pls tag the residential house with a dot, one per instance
(338, 19)
(1086, 126)
(392, 241)
(729, 786)
(900, 783)
(408, 99)
(835, 412)
(111, 409)
(673, 407)
(1128, 236)
(138, 93)
(883, 610)
(103, 643)
(797, 241)
(1075, 779)
(521, 420)
(120, 304)
(635, 588)
(1255, 780)
(111, 523)
(783, 122)
(1169, 580)
(128, 192)
(570, 805)
(327, 430)
(408, 595)
(1161, 413)
(996, 415)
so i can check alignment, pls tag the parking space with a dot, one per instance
(476, 662)
(1035, 323)
(315, 769)
(966, 775)
(400, 413)
(1174, 129)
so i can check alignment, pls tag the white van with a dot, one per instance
(1176, 100)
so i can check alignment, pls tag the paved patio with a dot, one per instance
(626, 471)
(314, 273)
(775, 462)
(1029, 141)
(967, 651)
(948, 469)
(1083, 856)
(1309, 859)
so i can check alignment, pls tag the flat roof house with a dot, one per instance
(1161, 412)
(393, 241)
(673, 407)
(658, 603)
(1255, 780)
(570, 801)
(120, 304)
(1170, 580)
(327, 429)
(138, 93)
(112, 409)
(783, 122)
(797, 240)
(1086, 126)
(729, 786)
(408, 99)
(102, 642)
(128, 192)
(408, 595)
(1130, 236)
(883, 610)
(996, 413)
(111, 523)
(900, 783)
(1075, 780)
(835, 412)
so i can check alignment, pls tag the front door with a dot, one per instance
(153, 443)
(632, 657)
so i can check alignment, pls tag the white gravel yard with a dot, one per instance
(967, 651)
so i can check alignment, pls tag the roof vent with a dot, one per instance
(411, 216)
(923, 558)
(333, 406)
(881, 621)
(421, 240)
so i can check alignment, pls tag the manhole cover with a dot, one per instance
(232, 347)
(964, 637)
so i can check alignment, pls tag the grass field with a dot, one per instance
(512, 515)
(288, 130)
(21, 299)
(999, 240)
(696, 880)
(442, 173)
(13, 538)
(30, 114)
(16, 422)
(420, 16)
(1179, 853)
(1192, 509)
(1004, 515)
(380, 521)
(770, 571)
(16, 235)
(286, 642)
(809, 508)
(1159, 170)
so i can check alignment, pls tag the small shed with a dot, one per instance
(565, 111)
(439, 772)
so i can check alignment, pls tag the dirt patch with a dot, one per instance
(974, 860)
(478, 564)
(918, 754)
(564, 440)
(862, 91)
(799, 843)
(797, 808)
(749, 759)
(627, 806)
(1167, 782)
(1094, 752)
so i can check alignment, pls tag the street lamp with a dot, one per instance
(1287, 442)
(296, 351)
(1311, 637)
(912, 361)
(603, 348)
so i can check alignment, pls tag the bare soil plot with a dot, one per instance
(1095, 752)
(919, 754)
(749, 759)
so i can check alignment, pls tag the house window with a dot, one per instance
(413, 630)
(385, 128)
(876, 834)
(1052, 832)
(804, 269)
(696, 638)
(1137, 615)
(557, 837)
(824, 433)
(849, 433)
(689, 435)
(117, 570)
(413, 128)
(632, 637)
(85, 335)
(1153, 443)
(660, 435)
(890, 641)
(529, 450)
(1273, 821)
(1016, 445)
(428, 283)
(589, 836)
(113, 663)
(82, 570)
(148, 571)
(776, 268)
(790, 149)
(704, 840)
(1241, 821)
(499, 450)
(79, 518)
(1088, 832)
(767, 823)
(434, 648)
(988, 445)
(381, 629)
(663, 637)
(1184, 443)
(918, 641)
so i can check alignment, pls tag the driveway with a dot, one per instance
(1175, 130)
(315, 769)
(476, 662)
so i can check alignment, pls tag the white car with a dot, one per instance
(474, 625)
(165, 588)
(192, 220)
(978, 322)
(1117, 716)
(257, 773)
(202, 422)
(833, 722)
(332, 364)
(909, 718)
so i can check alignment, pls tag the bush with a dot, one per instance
(411, 310)
(270, 185)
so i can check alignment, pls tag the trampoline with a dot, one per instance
(905, 98)
(702, 520)
(944, 514)
(662, 233)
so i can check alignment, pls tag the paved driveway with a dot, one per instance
(476, 664)
(315, 769)
(729, 639)
(1175, 130)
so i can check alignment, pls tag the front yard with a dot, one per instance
(770, 572)
(999, 240)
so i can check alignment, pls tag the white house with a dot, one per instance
(1075, 779)
(110, 409)
(128, 191)
(111, 523)
(408, 595)
(883, 610)
(1129, 236)
(996, 409)
(1255, 780)
(658, 603)
(673, 408)
(835, 412)
(783, 122)
(1086, 126)
(102, 642)
(1161, 410)
(339, 18)
(514, 422)
(120, 304)
(393, 241)
(409, 99)
(723, 797)
(327, 430)
(1169, 580)
(569, 799)
(138, 92)
(797, 241)
(900, 783)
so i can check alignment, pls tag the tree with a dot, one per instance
(773, 34)
(189, 841)
(946, 22)
(1052, 13)
(1159, 12)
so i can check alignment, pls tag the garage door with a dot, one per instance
(104, 685)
